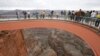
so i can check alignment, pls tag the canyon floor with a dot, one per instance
(54, 42)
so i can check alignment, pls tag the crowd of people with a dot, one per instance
(78, 16)
(41, 14)
(88, 16)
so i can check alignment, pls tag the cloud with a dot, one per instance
(49, 4)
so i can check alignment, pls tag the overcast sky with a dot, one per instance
(50, 4)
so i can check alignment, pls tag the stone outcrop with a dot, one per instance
(53, 42)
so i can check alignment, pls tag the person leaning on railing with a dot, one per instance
(98, 20)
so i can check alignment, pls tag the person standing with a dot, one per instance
(52, 13)
(37, 15)
(93, 14)
(17, 14)
(62, 13)
(93, 17)
(28, 14)
(87, 17)
(43, 14)
(98, 20)
(79, 15)
(69, 15)
(25, 14)
(57, 15)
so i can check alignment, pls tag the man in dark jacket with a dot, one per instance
(79, 15)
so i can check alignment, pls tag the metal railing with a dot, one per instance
(90, 21)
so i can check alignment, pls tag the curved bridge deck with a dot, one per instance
(91, 38)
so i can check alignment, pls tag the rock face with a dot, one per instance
(12, 43)
(53, 42)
